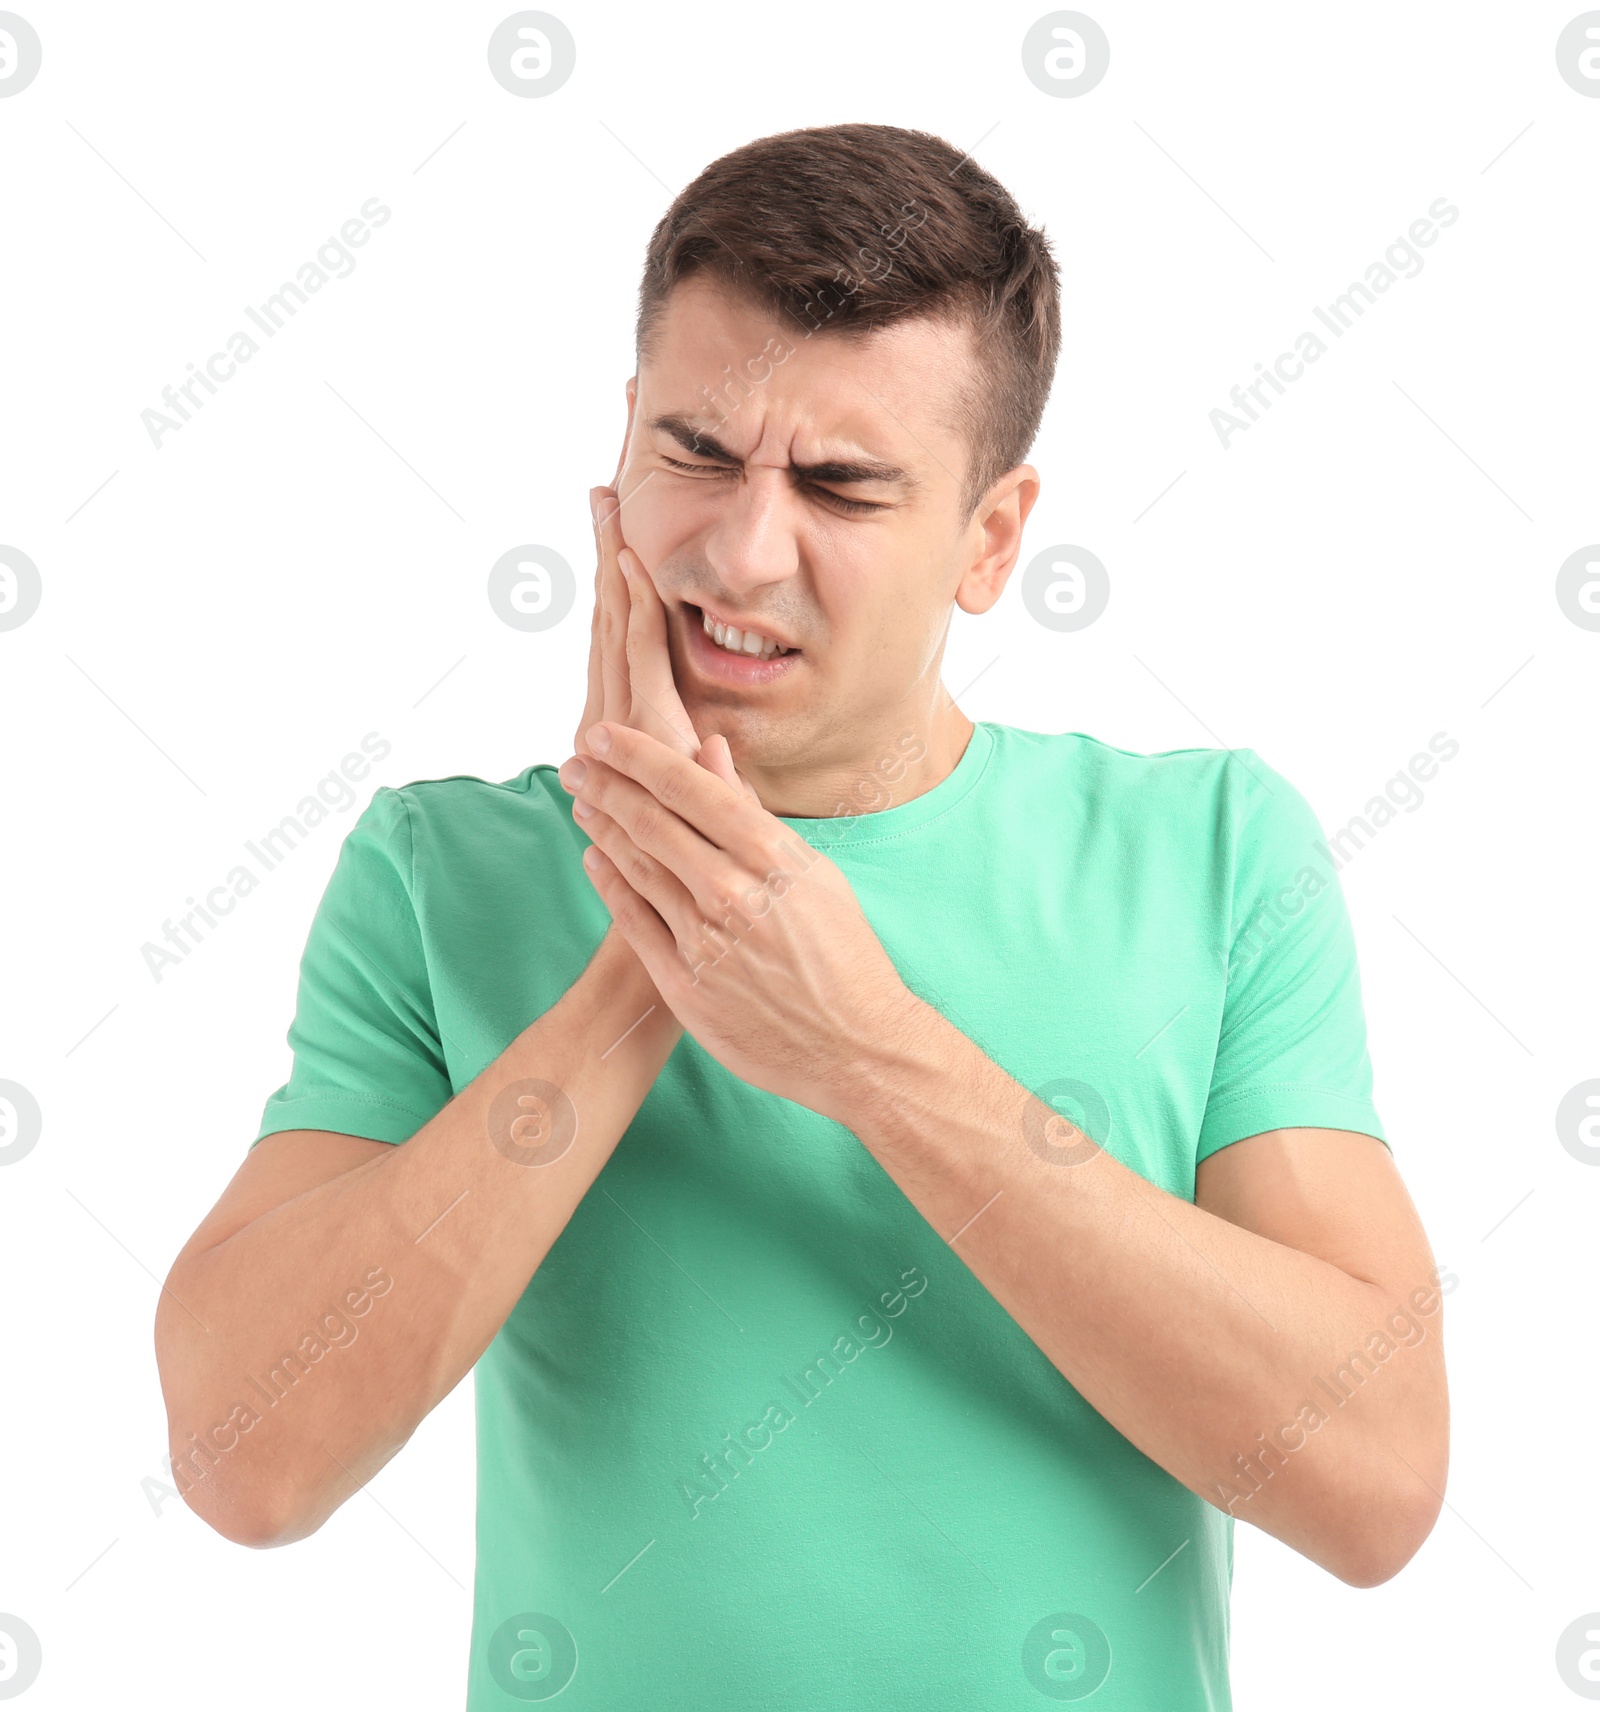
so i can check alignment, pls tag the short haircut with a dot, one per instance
(843, 229)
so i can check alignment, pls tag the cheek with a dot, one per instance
(898, 645)
(892, 631)
(656, 519)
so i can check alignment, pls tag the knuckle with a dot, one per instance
(777, 855)
(671, 789)
(728, 888)
(642, 870)
(647, 823)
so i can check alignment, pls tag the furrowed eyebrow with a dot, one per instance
(842, 471)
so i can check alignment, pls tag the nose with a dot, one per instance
(755, 540)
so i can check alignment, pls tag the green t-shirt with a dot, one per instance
(754, 1436)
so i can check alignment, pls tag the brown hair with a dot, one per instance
(848, 228)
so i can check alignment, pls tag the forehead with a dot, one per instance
(891, 393)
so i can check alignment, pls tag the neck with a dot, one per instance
(909, 751)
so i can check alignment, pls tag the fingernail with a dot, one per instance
(573, 774)
(622, 563)
(599, 739)
(582, 809)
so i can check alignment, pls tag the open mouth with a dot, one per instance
(748, 644)
(732, 655)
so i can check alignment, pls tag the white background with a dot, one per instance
(225, 617)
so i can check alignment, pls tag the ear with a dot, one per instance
(996, 532)
(627, 432)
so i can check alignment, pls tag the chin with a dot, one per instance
(711, 719)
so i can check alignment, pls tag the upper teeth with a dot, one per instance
(741, 641)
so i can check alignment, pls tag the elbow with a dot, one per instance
(243, 1522)
(1389, 1509)
(233, 1521)
(257, 1536)
(224, 1509)
(246, 1506)
(246, 1501)
(1375, 1547)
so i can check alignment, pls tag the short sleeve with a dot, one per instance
(367, 1054)
(1292, 1048)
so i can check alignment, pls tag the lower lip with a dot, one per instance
(730, 668)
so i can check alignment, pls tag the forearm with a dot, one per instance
(1200, 1341)
(458, 1218)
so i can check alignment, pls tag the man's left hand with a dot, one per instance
(754, 939)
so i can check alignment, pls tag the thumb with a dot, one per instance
(716, 757)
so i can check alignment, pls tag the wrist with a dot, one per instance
(904, 1045)
(630, 992)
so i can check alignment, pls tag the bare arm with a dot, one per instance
(1268, 1345)
(342, 1287)
(455, 1223)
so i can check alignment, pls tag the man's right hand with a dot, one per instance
(629, 680)
(295, 1226)
(630, 666)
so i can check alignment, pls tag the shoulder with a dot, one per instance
(1213, 812)
(1213, 782)
(463, 824)
(468, 801)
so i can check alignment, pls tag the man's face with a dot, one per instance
(855, 560)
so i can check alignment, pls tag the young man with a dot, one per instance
(911, 1184)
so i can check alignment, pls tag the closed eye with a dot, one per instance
(856, 507)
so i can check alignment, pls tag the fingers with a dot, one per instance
(666, 861)
(594, 706)
(636, 920)
(735, 824)
(611, 603)
(657, 707)
(630, 660)
(716, 757)
(651, 879)
(641, 686)
(630, 649)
